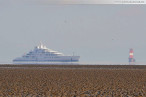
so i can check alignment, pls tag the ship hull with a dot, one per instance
(44, 63)
(57, 59)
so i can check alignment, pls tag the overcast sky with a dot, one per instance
(98, 33)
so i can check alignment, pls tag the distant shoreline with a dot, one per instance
(74, 66)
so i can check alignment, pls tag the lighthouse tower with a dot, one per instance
(131, 57)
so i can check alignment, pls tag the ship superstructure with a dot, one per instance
(42, 54)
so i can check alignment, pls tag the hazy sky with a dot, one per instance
(98, 33)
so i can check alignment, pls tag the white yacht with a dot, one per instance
(41, 54)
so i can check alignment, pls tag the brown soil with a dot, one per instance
(72, 81)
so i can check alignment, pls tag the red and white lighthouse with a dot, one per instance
(131, 57)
